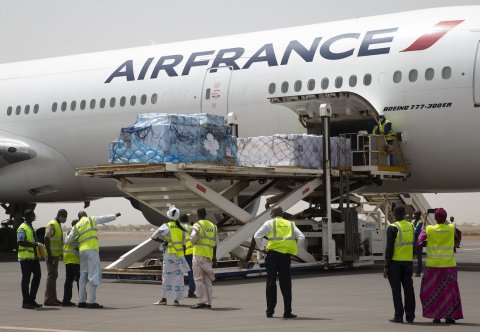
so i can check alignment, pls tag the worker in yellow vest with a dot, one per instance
(54, 247)
(189, 254)
(85, 232)
(27, 256)
(71, 259)
(172, 236)
(399, 265)
(385, 127)
(439, 292)
(283, 240)
(204, 238)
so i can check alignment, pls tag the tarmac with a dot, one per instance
(331, 300)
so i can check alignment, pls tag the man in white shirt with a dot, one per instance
(283, 240)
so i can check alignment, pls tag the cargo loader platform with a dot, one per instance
(216, 187)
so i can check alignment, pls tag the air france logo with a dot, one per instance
(370, 43)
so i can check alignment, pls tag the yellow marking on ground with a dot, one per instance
(21, 328)
(469, 249)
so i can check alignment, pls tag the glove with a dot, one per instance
(385, 272)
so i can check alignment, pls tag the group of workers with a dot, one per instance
(191, 249)
(179, 240)
(439, 292)
(78, 249)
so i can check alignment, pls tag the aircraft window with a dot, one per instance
(54, 107)
(123, 100)
(271, 88)
(143, 100)
(397, 76)
(154, 98)
(429, 74)
(36, 108)
(133, 100)
(73, 105)
(9, 110)
(367, 79)
(112, 102)
(298, 86)
(413, 75)
(27, 109)
(92, 104)
(207, 94)
(83, 104)
(64, 106)
(352, 81)
(102, 103)
(446, 73)
(311, 85)
(18, 110)
(339, 82)
(284, 87)
(325, 83)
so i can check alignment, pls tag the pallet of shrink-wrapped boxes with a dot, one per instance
(292, 150)
(177, 138)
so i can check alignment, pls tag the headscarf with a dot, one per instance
(440, 215)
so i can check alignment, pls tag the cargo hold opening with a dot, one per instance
(351, 113)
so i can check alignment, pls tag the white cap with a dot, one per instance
(173, 213)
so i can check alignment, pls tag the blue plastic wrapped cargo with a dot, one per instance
(160, 137)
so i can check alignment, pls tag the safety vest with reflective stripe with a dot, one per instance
(440, 245)
(25, 253)
(70, 255)
(86, 232)
(207, 234)
(282, 236)
(56, 241)
(188, 244)
(175, 239)
(390, 136)
(403, 246)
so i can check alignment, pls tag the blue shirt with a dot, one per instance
(21, 236)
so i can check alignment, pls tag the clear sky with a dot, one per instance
(32, 29)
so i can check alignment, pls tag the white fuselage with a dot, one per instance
(436, 115)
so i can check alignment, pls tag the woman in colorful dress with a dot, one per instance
(439, 292)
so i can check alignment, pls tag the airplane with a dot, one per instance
(420, 68)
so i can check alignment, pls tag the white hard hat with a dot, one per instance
(173, 213)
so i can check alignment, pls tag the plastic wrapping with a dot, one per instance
(292, 150)
(160, 137)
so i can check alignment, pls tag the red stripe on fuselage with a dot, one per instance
(427, 40)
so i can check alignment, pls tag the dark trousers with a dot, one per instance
(72, 273)
(191, 281)
(400, 275)
(278, 263)
(29, 291)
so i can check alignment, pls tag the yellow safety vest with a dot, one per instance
(175, 239)
(403, 246)
(70, 255)
(26, 253)
(390, 136)
(207, 232)
(86, 232)
(440, 245)
(56, 242)
(282, 236)
(188, 244)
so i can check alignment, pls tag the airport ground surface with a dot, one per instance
(341, 300)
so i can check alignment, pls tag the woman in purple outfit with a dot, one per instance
(439, 292)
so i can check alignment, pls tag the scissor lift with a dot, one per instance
(190, 186)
